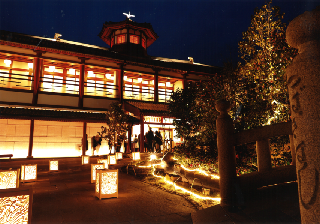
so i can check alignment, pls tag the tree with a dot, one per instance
(117, 125)
(262, 90)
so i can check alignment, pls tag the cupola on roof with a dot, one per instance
(128, 37)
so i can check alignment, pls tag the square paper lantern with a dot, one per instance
(53, 165)
(119, 155)
(94, 167)
(112, 159)
(106, 184)
(104, 161)
(16, 205)
(9, 178)
(85, 160)
(29, 172)
(136, 156)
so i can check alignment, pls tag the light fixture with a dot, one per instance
(108, 76)
(52, 68)
(91, 74)
(112, 159)
(168, 84)
(7, 62)
(94, 168)
(104, 161)
(139, 79)
(136, 156)
(125, 77)
(119, 155)
(72, 71)
(57, 36)
(106, 183)
(53, 165)
(9, 178)
(85, 160)
(30, 65)
(28, 172)
(16, 205)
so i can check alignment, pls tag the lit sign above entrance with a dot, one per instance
(150, 119)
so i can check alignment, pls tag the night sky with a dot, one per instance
(207, 30)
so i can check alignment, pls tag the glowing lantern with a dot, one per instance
(106, 184)
(136, 156)
(119, 155)
(53, 165)
(9, 179)
(7, 62)
(104, 161)
(94, 167)
(29, 172)
(16, 205)
(112, 159)
(85, 160)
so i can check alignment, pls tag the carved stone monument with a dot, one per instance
(303, 77)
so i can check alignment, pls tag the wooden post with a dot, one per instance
(129, 146)
(37, 70)
(84, 138)
(81, 82)
(226, 154)
(156, 86)
(263, 155)
(120, 83)
(141, 140)
(31, 139)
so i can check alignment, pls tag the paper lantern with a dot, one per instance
(136, 156)
(104, 161)
(112, 159)
(16, 205)
(85, 160)
(94, 167)
(119, 155)
(53, 165)
(106, 184)
(29, 172)
(9, 179)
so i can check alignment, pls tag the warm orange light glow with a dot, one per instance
(30, 65)
(85, 159)
(53, 165)
(119, 155)
(106, 183)
(72, 71)
(136, 156)
(52, 68)
(29, 172)
(104, 161)
(15, 206)
(7, 62)
(9, 179)
(112, 159)
(213, 176)
(94, 168)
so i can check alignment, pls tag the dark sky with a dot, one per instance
(207, 30)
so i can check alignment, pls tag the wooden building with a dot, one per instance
(54, 92)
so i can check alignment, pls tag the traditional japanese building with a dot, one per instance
(54, 92)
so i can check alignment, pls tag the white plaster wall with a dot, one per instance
(71, 101)
(17, 97)
(57, 139)
(92, 129)
(14, 137)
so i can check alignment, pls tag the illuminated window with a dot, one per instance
(121, 39)
(138, 86)
(100, 83)
(134, 39)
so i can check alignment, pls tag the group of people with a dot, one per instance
(152, 141)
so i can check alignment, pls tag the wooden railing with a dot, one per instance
(266, 175)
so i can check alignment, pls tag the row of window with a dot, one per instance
(64, 78)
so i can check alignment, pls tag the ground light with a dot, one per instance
(53, 165)
(112, 159)
(106, 183)
(16, 205)
(94, 168)
(104, 161)
(28, 172)
(85, 160)
(9, 178)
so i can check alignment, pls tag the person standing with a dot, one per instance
(150, 137)
(136, 143)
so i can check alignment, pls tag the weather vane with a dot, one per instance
(128, 15)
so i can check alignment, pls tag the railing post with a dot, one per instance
(226, 154)
(263, 155)
(303, 81)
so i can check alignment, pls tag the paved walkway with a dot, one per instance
(67, 196)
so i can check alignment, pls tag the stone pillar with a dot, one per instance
(303, 77)
(226, 154)
(263, 155)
